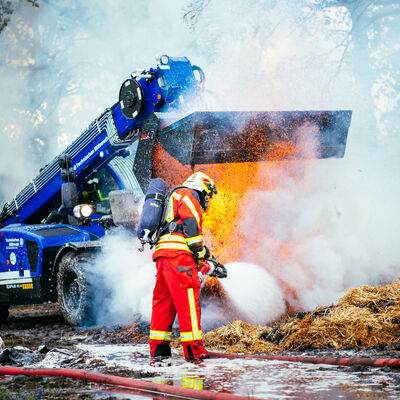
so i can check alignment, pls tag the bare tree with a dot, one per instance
(372, 48)
(193, 12)
(5, 12)
(7, 8)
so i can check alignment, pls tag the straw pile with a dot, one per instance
(239, 337)
(365, 316)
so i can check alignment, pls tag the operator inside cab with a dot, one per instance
(97, 191)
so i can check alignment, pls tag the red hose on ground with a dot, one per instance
(141, 386)
(372, 362)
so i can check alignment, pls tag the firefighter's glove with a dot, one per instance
(201, 276)
(198, 253)
(207, 254)
(200, 263)
(205, 269)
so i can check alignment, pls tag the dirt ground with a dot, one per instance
(42, 328)
(36, 325)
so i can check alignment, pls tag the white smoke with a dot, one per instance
(337, 226)
(255, 294)
(123, 279)
(62, 64)
(323, 234)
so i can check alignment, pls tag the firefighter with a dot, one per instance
(180, 261)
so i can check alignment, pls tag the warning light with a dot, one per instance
(8, 262)
(159, 96)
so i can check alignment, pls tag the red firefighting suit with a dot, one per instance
(177, 285)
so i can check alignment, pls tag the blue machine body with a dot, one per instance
(107, 137)
(27, 255)
(29, 248)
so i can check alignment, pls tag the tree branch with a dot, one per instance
(195, 8)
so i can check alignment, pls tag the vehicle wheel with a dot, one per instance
(3, 313)
(73, 288)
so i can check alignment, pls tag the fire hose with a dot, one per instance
(372, 362)
(149, 388)
(186, 393)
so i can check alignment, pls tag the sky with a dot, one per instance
(62, 64)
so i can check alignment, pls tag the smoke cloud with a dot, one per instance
(255, 294)
(337, 226)
(62, 64)
(123, 279)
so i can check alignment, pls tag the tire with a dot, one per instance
(3, 313)
(74, 290)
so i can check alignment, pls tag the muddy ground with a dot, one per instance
(41, 328)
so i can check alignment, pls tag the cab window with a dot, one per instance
(97, 191)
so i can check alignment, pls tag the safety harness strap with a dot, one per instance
(178, 228)
(157, 196)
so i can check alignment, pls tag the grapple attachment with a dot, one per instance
(226, 137)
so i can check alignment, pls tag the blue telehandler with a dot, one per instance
(51, 231)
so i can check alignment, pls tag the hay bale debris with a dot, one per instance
(365, 316)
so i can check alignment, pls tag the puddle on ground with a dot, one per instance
(258, 378)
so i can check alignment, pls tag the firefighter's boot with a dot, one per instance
(160, 351)
(194, 351)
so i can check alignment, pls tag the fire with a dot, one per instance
(213, 288)
(137, 332)
(222, 225)
(233, 180)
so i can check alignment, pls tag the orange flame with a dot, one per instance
(233, 181)
(221, 223)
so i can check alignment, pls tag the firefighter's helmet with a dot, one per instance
(201, 182)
